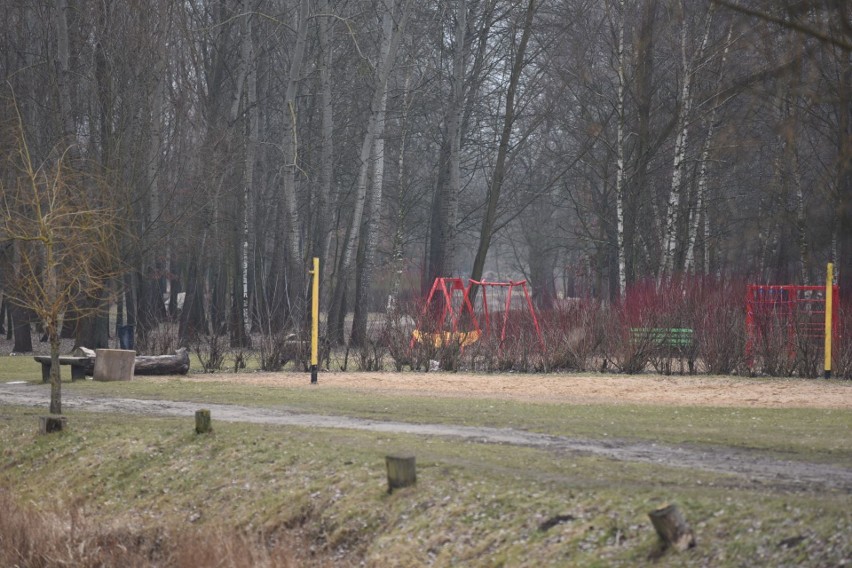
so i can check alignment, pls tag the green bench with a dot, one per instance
(678, 338)
(673, 342)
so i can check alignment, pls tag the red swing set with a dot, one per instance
(446, 291)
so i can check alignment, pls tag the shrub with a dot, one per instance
(719, 323)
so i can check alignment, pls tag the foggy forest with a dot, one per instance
(204, 151)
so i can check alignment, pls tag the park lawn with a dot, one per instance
(474, 504)
(811, 434)
(792, 433)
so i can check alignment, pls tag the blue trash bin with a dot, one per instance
(125, 336)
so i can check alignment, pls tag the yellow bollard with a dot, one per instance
(315, 321)
(829, 288)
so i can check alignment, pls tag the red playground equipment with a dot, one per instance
(798, 310)
(455, 299)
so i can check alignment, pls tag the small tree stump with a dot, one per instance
(114, 364)
(51, 424)
(202, 421)
(672, 528)
(401, 471)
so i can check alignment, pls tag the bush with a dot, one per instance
(573, 335)
(841, 351)
(719, 325)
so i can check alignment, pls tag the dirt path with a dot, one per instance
(755, 468)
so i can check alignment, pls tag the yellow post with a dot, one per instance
(315, 321)
(829, 288)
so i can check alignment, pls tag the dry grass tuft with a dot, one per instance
(35, 539)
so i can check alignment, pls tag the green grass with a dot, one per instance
(796, 433)
(474, 504)
(803, 433)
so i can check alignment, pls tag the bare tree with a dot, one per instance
(64, 238)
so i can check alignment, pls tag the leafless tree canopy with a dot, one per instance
(585, 145)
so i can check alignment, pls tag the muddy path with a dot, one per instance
(751, 467)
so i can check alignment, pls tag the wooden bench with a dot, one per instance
(80, 366)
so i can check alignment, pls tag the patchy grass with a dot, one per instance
(797, 433)
(20, 368)
(474, 504)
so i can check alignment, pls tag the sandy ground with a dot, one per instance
(577, 389)
(589, 388)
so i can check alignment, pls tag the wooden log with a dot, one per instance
(672, 528)
(401, 471)
(202, 421)
(177, 364)
(51, 424)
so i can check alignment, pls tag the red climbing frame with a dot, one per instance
(800, 309)
(511, 285)
(445, 289)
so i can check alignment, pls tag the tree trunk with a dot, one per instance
(321, 232)
(363, 279)
(671, 214)
(336, 312)
(499, 173)
(177, 364)
(21, 319)
(619, 159)
(700, 214)
(672, 528)
(442, 244)
(295, 266)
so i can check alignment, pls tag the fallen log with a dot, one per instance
(177, 364)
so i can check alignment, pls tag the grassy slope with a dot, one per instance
(796, 433)
(474, 504)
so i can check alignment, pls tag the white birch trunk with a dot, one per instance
(700, 214)
(322, 236)
(350, 241)
(688, 66)
(619, 173)
(248, 169)
(290, 141)
(367, 144)
(373, 225)
(398, 265)
(454, 131)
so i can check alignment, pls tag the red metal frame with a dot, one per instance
(511, 285)
(445, 287)
(788, 303)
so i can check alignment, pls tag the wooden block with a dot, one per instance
(51, 424)
(114, 364)
(672, 528)
(202, 421)
(402, 471)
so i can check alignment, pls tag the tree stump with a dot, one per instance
(202, 422)
(672, 528)
(51, 424)
(114, 364)
(401, 471)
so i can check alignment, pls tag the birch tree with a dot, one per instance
(689, 66)
(382, 73)
(498, 174)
